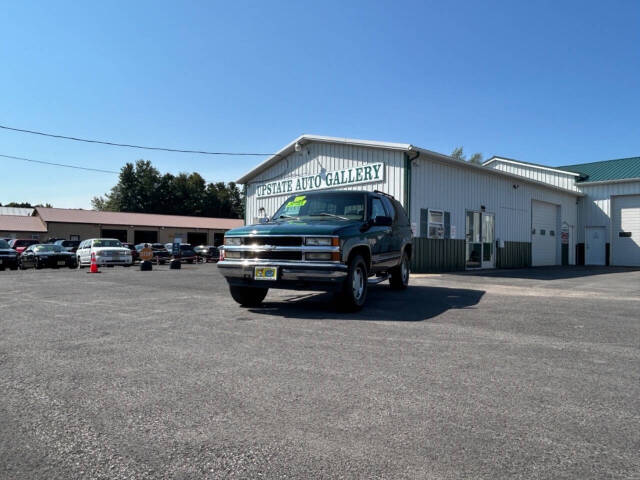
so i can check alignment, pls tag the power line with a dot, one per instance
(58, 164)
(113, 144)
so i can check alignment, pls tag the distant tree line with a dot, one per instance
(141, 188)
(25, 205)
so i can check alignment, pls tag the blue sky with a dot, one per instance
(548, 82)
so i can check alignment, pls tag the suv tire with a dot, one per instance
(400, 274)
(248, 296)
(354, 291)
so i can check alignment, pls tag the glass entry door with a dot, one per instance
(480, 240)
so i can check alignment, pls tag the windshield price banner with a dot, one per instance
(338, 178)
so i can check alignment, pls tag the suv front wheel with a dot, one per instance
(354, 290)
(248, 296)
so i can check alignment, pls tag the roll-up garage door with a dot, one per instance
(625, 237)
(544, 235)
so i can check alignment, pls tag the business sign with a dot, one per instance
(337, 178)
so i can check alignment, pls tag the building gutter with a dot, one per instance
(605, 182)
(530, 165)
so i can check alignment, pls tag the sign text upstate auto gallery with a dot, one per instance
(338, 178)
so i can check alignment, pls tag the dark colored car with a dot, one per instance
(160, 254)
(208, 252)
(20, 244)
(46, 255)
(334, 240)
(186, 253)
(8, 256)
(68, 245)
(134, 251)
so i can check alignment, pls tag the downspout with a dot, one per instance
(407, 180)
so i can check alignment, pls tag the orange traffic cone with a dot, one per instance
(94, 264)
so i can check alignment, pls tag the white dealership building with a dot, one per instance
(505, 213)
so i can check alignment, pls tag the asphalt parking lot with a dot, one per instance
(129, 374)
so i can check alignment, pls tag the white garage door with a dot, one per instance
(625, 239)
(544, 235)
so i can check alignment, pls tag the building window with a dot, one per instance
(74, 237)
(436, 224)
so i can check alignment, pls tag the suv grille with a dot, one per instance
(275, 241)
(273, 255)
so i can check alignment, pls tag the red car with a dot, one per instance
(21, 244)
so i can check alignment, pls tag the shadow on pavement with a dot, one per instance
(547, 273)
(415, 304)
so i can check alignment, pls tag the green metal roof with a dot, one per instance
(619, 169)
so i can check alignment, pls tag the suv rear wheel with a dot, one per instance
(400, 275)
(354, 290)
(248, 296)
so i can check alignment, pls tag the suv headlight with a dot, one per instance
(321, 241)
(233, 241)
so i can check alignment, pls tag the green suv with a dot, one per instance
(340, 241)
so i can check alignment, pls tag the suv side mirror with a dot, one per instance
(382, 221)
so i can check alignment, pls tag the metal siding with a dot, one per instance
(331, 156)
(595, 207)
(552, 178)
(456, 189)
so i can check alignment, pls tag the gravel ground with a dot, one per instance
(129, 374)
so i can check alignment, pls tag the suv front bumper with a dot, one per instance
(291, 275)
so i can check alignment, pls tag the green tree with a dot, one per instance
(458, 154)
(141, 188)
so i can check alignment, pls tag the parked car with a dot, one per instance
(20, 244)
(160, 253)
(186, 254)
(208, 252)
(134, 252)
(8, 256)
(338, 241)
(108, 251)
(46, 255)
(68, 245)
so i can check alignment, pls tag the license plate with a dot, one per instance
(61, 262)
(266, 273)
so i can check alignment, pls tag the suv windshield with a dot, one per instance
(47, 248)
(4, 244)
(107, 243)
(327, 206)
